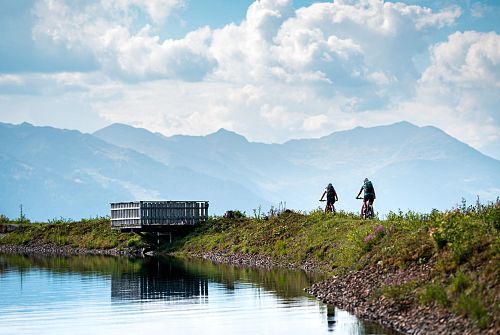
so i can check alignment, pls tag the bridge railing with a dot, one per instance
(147, 213)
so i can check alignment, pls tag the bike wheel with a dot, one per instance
(370, 212)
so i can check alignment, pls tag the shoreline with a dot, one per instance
(350, 292)
(54, 250)
(253, 261)
(357, 293)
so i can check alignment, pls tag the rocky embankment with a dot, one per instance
(359, 293)
(256, 261)
(67, 250)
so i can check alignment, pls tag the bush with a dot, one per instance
(473, 308)
(4, 219)
(460, 283)
(464, 229)
(400, 292)
(433, 293)
(374, 237)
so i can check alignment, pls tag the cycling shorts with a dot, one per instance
(369, 197)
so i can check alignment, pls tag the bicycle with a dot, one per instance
(367, 212)
(330, 208)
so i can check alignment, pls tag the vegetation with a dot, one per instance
(462, 245)
(87, 233)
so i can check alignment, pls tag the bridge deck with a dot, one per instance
(156, 215)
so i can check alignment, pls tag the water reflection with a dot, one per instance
(113, 295)
(157, 278)
(342, 322)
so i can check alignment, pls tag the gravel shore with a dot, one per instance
(67, 250)
(356, 293)
(257, 261)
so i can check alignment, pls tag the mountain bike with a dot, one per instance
(330, 208)
(367, 212)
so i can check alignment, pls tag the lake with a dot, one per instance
(115, 295)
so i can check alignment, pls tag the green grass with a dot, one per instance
(87, 233)
(433, 293)
(474, 308)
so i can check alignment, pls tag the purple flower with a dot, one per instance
(369, 238)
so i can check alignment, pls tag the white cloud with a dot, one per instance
(143, 56)
(106, 29)
(341, 46)
(467, 59)
(282, 72)
(478, 9)
(337, 44)
(11, 79)
(315, 123)
(158, 10)
(459, 91)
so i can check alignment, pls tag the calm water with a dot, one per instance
(107, 295)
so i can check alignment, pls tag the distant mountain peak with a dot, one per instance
(124, 130)
(116, 126)
(404, 124)
(223, 133)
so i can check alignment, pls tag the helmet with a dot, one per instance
(330, 185)
(366, 180)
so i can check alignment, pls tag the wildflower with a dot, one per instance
(368, 238)
(432, 231)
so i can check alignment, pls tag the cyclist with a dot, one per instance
(369, 194)
(331, 197)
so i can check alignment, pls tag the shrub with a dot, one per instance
(374, 237)
(463, 229)
(60, 220)
(433, 293)
(460, 283)
(473, 308)
(399, 292)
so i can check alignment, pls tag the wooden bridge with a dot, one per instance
(158, 216)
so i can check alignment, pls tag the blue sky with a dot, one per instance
(271, 70)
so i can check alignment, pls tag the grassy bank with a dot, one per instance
(86, 234)
(462, 246)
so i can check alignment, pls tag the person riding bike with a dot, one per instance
(369, 195)
(331, 197)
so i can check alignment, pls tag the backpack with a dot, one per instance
(330, 192)
(368, 187)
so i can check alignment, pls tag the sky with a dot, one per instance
(271, 70)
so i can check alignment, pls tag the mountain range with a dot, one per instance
(54, 172)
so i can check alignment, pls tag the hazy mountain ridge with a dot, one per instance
(298, 170)
(55, 172)
(77, 175)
